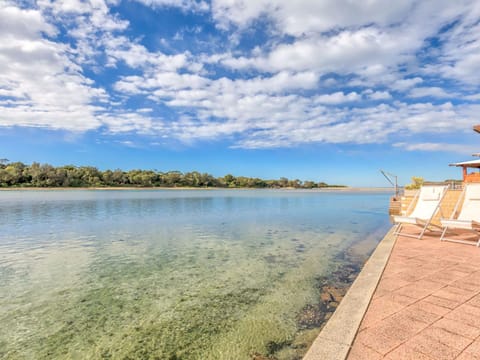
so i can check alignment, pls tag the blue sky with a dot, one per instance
(324, 90)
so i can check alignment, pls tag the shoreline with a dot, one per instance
(124, 188)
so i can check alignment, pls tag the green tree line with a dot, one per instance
(17, 174)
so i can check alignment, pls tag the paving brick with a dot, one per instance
(475, 301)
(468, 356)
(458, 327)
(448, 338)
(404, 352)
(426, 306)
(467, 314)
(391, 283)
(454, 294)
(362, 352)
(465, 268)
(443, 264)
(471, 352)
(450, 304)
(465, 284)
(456, 260)
(379, 309)
(419, 289)
(390, 333)
(431, 308)
(380, 342)
(413, 314)
(473, 278)
(399, 299)
(446, 277)
(411, 275)
(433, 348)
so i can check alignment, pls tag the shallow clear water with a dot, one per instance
(171, 274)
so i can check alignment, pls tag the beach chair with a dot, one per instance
(468, 217)
(426, 207)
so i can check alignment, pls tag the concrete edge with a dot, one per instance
(336, 338)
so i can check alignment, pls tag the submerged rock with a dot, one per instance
(325, 297)
(332, 294)
(333, 305)
(332, 289)
(312, 316)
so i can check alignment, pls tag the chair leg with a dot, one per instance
(398, 229)
(423, 232)
(443, 233)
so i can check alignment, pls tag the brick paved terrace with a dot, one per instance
(426, 305)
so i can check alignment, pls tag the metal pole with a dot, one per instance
(396, 186)
(387, 176)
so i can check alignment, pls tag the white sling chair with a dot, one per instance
(428, 204)
(469, 216)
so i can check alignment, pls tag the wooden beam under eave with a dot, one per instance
(477, 128)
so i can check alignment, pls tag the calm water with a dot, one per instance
(201, 274)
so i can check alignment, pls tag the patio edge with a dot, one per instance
(336, 338)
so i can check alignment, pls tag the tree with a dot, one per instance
(172, 178)
(295, 183)
(46, 175)
(3, 163)
(417, 183)
(283, 182)
(119, 177)
(91, 176)
(309, 184)
(229, 180)
(193, 179)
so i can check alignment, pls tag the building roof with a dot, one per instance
(470, 164)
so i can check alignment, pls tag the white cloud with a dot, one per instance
(304, 16)
(124, 122)
(88, 23)
(185, 5)
(337, 98)
(473, 97)
(261, 112)
(269, 96)
(377, 95)
(460, 56)
(362, 125)
(373, 40)
(433, 91)
(405, 84)
(184, 89)
(42, 86)
(24, 23)
(439, 147)
(42, 82)
(137, 56)
(368, 51)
